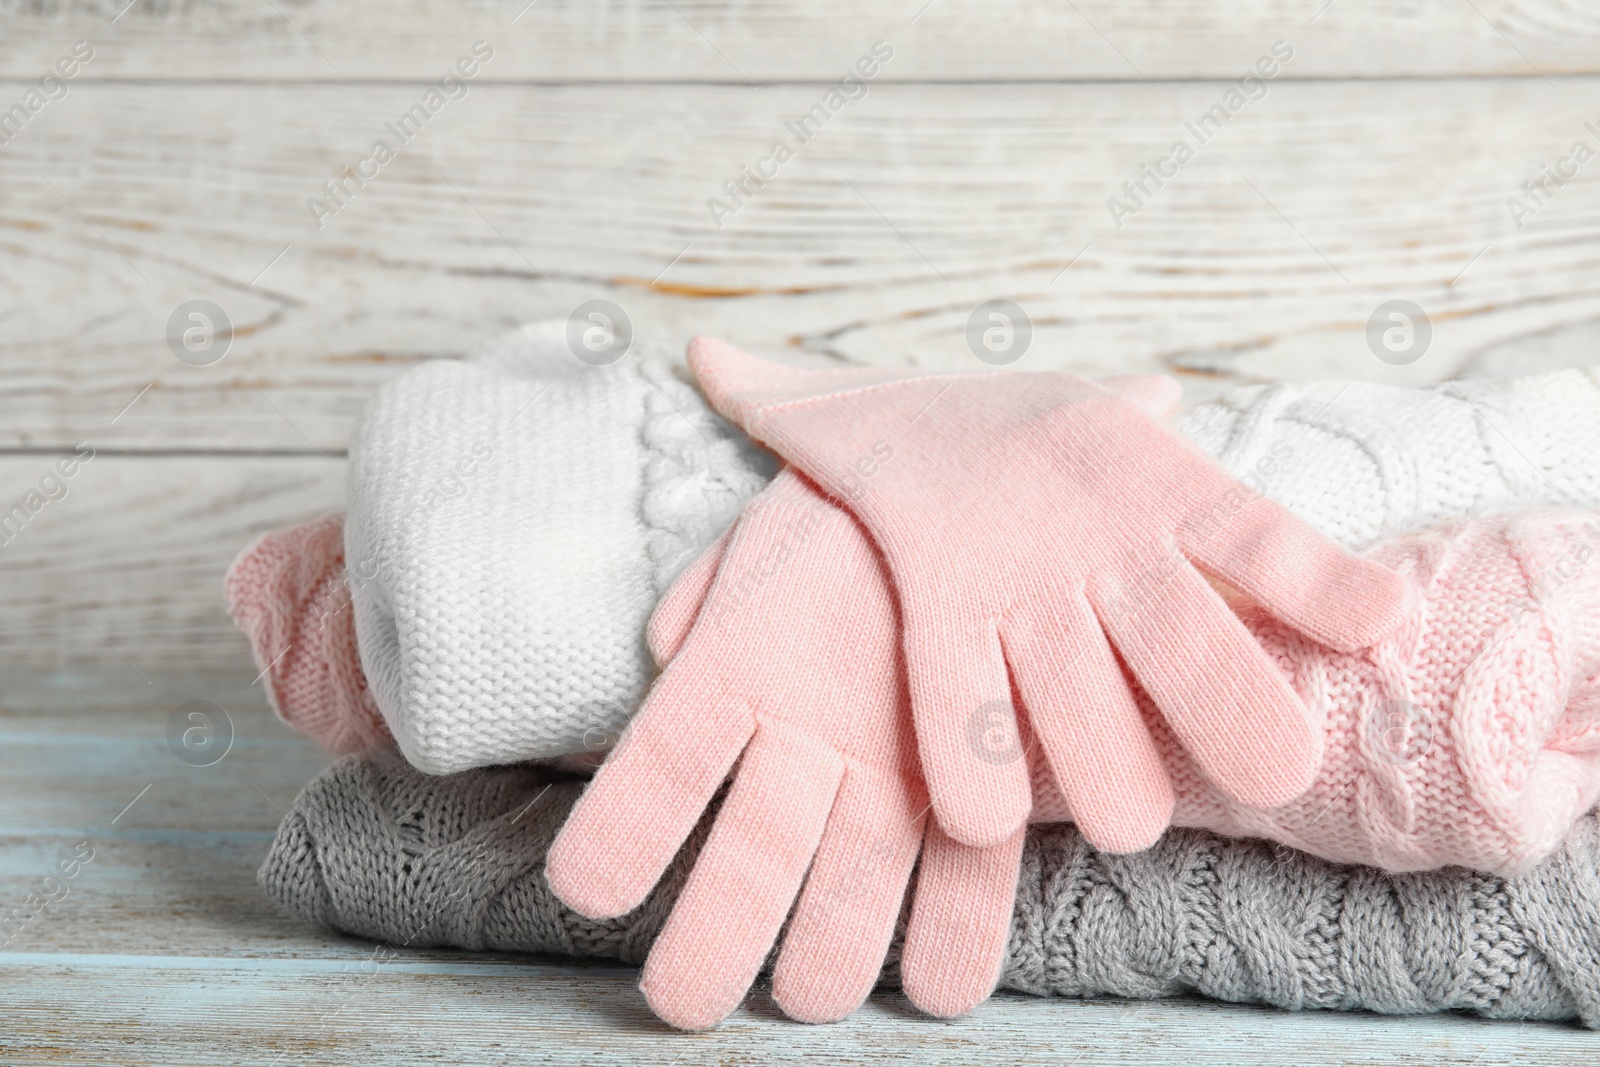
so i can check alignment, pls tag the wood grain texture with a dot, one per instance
(208, 1014)
(126, 570)
(718, 40)
(166, 952)
(1263, 257)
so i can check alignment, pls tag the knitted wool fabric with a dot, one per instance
(290, 594)
(1362, 461)
(1471, 737)
(513, 520)
(375, 849)
(287, 592)
(1356, 460)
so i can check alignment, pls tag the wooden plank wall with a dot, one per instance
(976, 163)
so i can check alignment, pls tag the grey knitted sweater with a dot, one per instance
(374, 848)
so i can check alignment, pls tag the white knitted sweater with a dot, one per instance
(515, 516)
(1363, 462)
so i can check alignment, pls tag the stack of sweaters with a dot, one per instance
(481, 628)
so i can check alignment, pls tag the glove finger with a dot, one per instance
(1084, 714)
(1224, 698)
(1156, 394)
(961, 706)
(745, 879)
(674, 616)
(834, 949)
(1294, 572)
(649, 793)
(960, 922)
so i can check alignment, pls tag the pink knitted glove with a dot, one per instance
(961, 914)
(793, 660)
(287, 592)
(1025, 518)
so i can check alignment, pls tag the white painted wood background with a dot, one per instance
(1378, 165)
(978, 165)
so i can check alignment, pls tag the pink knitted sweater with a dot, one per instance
(288, 592)
(1471, 737)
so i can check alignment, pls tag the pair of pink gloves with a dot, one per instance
(941, 550)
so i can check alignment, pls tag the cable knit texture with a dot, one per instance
(1362, 461)
(513, 519)
(375, 849)
(698, 470)
(1471, 737)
